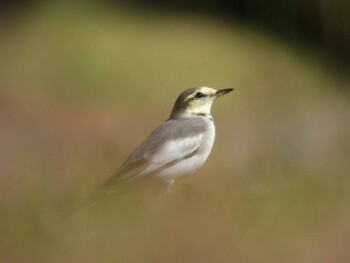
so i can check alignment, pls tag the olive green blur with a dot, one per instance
(82, 85)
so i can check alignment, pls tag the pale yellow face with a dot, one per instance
(200, 100)
(196, 101)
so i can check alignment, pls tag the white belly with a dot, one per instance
(188, 166)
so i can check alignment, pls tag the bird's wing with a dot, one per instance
(170, 152)
(169, 143)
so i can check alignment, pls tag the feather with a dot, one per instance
(171, 142)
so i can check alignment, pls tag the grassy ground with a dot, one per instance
(80, 88)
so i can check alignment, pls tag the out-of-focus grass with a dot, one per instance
(80, 88)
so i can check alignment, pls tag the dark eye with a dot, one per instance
(199, 95)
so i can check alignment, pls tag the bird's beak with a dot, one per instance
(221, 92)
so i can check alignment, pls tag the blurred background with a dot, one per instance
(82, 83)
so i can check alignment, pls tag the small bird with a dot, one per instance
(176, 149)
(179, 146)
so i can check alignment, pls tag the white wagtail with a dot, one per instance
(179, 146)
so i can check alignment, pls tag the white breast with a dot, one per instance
(188, 166)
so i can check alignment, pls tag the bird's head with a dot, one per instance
(196, 101)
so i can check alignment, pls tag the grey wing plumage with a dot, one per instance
(171, 142)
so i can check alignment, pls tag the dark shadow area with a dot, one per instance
(319, 23)
(322, 27)
(322, 24)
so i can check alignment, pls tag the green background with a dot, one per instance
(82, 84)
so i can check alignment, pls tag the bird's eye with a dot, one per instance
(199, 95)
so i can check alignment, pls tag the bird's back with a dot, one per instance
(178, 147)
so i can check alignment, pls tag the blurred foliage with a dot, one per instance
(326, 23)
(323, 24)
(82, 84)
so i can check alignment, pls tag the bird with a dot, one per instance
(178, 147)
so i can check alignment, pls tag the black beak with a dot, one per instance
(222, 92)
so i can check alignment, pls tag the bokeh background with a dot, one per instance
(83, 82)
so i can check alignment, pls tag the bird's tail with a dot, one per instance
(100, 195)
(81, 208)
